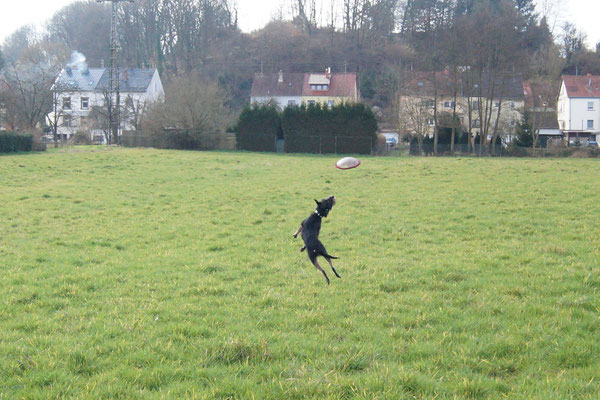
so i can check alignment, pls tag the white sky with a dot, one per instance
(254, 14)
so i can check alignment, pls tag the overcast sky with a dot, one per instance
(254, 14)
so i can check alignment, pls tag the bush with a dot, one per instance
(258, 128)
(344, 128)
(15, 142)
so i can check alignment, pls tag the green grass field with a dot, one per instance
(138, 273)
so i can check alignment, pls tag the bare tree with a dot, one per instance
(415, 117)
(190, 104)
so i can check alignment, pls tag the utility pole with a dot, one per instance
(114, 96)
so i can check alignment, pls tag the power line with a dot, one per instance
(114, 114)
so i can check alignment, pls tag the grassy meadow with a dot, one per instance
(147, 274)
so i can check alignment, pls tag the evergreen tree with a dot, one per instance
(524, 135)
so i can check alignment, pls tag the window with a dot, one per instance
(590, 124)
(419, 83)
(313, 87)
(291, 102)
(590, 106)
(83, 121)
(329, 103)
(512, 104)
(513, 122)
(475, 105)
(429, 103)
(430, 122)
(311, 102)
(448, 104)
(66, 103)
(325, 87)
(85, 103)
(475, 123)
(496, 104)
(319, 87)
(67, 120)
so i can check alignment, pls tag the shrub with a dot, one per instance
(344, 128)
(258, 128)
(15, 142)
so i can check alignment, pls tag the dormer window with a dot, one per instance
(319, 88)
(66, 103)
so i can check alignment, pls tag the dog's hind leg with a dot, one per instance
(313, 258)
(298, 231)
(331, 265)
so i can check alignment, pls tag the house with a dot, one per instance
(81, 94)
(285, 89)
(495, 102)
(579, 107)
(288, 89)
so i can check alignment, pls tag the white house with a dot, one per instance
(80, 94)
(579, 107)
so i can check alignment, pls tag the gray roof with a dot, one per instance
(96, 79)
(79, 80)
(130, 79)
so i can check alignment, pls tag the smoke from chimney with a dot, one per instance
(77, 61)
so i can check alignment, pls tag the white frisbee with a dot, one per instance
(347, 163)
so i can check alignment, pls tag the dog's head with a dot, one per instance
(325, 205)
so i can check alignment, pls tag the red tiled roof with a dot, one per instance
(582, 86)
(296, 84)
(340, 85)
(265, 85)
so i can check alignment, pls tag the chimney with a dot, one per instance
(328, 72)
(102, 63)
(280, 79)
(125, 74)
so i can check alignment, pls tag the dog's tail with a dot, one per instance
(324, 254)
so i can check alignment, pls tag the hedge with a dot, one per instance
(344, 128)
(258, 128)
(15, 142)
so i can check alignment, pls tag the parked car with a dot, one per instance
(591, 143)
(391, 142)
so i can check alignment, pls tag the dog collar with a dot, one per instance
(317, 212)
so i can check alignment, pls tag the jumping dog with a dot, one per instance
(310, 229)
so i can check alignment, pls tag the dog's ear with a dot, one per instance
(317, 201)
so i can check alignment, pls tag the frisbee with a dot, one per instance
(347, 163)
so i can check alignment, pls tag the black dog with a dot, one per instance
(310, 229)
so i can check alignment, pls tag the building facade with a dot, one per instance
(491, 105)
(579, 108)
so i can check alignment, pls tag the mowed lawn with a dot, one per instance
(139, 273)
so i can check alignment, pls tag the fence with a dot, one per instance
(328, 144)
(179, 139)
(499, 151)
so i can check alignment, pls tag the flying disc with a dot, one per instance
(347, 163)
